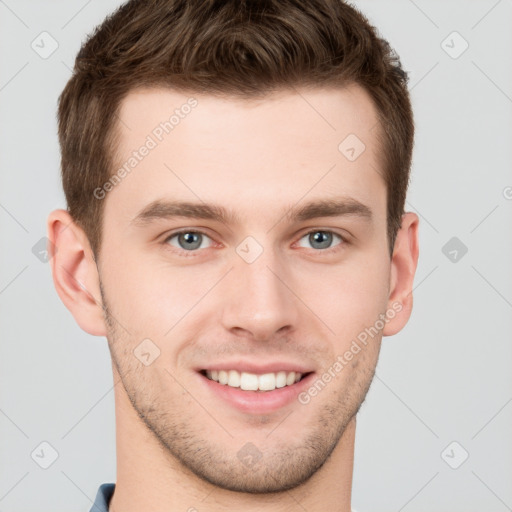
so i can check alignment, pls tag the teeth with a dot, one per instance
(234, 378)
(281, 379)
(223, 377)
(253, 382)
(248, 381)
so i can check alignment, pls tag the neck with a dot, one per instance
(150, 478)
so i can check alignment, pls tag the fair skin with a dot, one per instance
(301, 301)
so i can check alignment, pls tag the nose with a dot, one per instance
(257, 298)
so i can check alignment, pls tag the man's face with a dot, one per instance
(261, 287)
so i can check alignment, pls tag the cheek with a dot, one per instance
(348, 297)
(151, 296)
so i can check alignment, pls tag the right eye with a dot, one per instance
(187, 240)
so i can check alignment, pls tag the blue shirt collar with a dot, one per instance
(103, 497)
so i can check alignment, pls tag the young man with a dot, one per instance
(235, 174)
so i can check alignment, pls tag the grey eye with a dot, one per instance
(321, 239)
(188, 240)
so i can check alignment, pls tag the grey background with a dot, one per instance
(445, 378)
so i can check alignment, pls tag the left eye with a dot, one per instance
(320, 239)
(188, 240)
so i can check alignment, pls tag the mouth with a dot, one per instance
(254, 393)
(263, 382)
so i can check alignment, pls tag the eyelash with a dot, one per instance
(195, 252)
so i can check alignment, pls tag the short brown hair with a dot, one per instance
(244, 48)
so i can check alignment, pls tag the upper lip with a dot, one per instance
(259, 368)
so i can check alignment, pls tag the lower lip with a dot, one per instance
(258, 402)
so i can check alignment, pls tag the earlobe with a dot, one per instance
(403, 268)
(74, 271)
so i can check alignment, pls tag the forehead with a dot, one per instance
(249, 153)
(320, 111)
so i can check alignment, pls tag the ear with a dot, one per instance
(74, 270)
(403, 268)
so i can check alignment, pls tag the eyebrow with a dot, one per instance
(169, 209)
